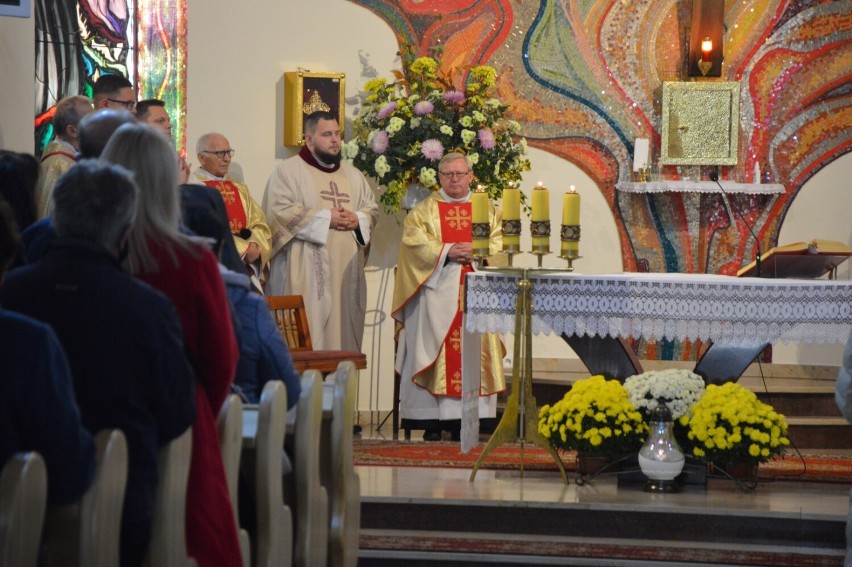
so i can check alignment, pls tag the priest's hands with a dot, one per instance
(461, 253)
(341, 219)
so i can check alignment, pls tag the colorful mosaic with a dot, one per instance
(585, 80)
(78, 41)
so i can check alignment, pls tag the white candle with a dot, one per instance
(640, 153)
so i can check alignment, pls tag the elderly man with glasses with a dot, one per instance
(435, 257)
(114, 91)
(247, 221)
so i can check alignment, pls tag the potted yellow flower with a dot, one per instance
(596, 418)
(406, 126)
(728, 425)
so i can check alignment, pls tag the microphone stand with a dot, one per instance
(714, 176)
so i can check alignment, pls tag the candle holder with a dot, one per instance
(511, 228)
(480, 231)
(570, 237)
(541, 229)
(704, 66)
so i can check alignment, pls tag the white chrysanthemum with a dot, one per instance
(468, 136)
(395, 124)
(428, 177)
(466, 121)
(478, 116)
(350, 150)
(414, 122)
(473, 158)
(381, 166)
(446, 130)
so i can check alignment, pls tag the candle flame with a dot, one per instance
(572, 189)
(707, 45)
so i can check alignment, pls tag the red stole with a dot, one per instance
(233, 205)
(455, 227)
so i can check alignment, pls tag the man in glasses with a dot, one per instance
(246, 218)
(435, 256)
(322, 212)
(114, 91)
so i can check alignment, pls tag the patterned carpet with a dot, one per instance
(378, 452)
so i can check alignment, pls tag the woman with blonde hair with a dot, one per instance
(187, 272)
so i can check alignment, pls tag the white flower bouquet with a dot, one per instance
(680, 389)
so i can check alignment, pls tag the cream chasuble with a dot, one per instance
(58, 157)
(427, 304)
(324, 266)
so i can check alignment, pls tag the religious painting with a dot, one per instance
(17, 8)
(306, 92)
(700, 123)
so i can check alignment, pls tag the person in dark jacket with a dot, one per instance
(264, 355)
(123, 338)
(37, 407)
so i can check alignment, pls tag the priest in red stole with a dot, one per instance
(248, 223)
(435, 256)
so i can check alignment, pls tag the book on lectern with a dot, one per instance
(806, 260)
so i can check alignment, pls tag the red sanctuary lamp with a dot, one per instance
(705, 62)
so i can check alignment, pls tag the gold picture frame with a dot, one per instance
(700, 123)
(306, 92)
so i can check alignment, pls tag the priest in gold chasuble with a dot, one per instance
(435, 256)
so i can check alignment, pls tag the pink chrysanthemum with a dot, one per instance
(386, 110)
(454, 97)
(486, 138)
(432, 149)
(380, 142)
(423, 108)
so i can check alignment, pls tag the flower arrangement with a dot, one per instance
(729, 424)
(595, 416)
(405, 127)
(678, 388)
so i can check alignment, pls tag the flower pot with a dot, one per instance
(589, 464)
(743, 471)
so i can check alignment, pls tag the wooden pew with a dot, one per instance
(229, 425)
(23, 500)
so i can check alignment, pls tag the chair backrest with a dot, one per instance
(168, 528)
(274, 518)
(339, 477)
(292, 320)
(229, 424)
(102, 504)
(23, 499)
(88, 532)
(311, 498)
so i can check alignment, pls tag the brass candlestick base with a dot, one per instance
(704, 67)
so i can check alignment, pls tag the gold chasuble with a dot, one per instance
(428, 305)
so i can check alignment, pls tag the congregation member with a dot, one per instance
(247, 222)
(322, 211)
(187, 272)
(93, 133)
(18, 179)
(843, 397)
(264, 355)
(61, 153)
(114, 91)
(122, 338)
(37, 407)
(435, 257)
(153, 111)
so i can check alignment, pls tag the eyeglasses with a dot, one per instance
(454, 174)
(219, 154)
(128, 104)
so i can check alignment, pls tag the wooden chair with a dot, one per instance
(88, 532)
(291, 317)
(23, 499)
(338, 471)
(168, 529)
(274, 519)
(229, 424)
(305, 492)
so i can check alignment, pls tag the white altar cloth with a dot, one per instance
(699, 187)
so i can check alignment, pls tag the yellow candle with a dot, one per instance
(479, 215)
(571, 216)
(540, 213)
(511, 212)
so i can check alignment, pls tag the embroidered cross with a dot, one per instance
(455, 340)
(228, 193)
(455, 381)
(458, 218)
(335, 196)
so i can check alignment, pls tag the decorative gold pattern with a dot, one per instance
(512, 227)
(540, 228)
(700, 123)
(314, 104)
(458, 219)
(570, 233)
(481, 230)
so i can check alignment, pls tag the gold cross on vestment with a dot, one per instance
(458, 218)
(455, 340)
(228, 193)
(335, 196)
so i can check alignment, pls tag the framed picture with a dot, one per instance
(700, 123)
(17, 8)
(306, 92)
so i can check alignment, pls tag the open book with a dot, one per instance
(807, 260)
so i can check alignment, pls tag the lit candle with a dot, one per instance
(511, 212)
(706, 49)
(540, 214)
(571, 216)
(479, 215)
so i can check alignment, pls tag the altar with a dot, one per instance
(741, 314)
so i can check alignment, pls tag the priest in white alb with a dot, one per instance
(435, 256)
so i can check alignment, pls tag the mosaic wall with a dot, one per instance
(585, 80)
(78, 41)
